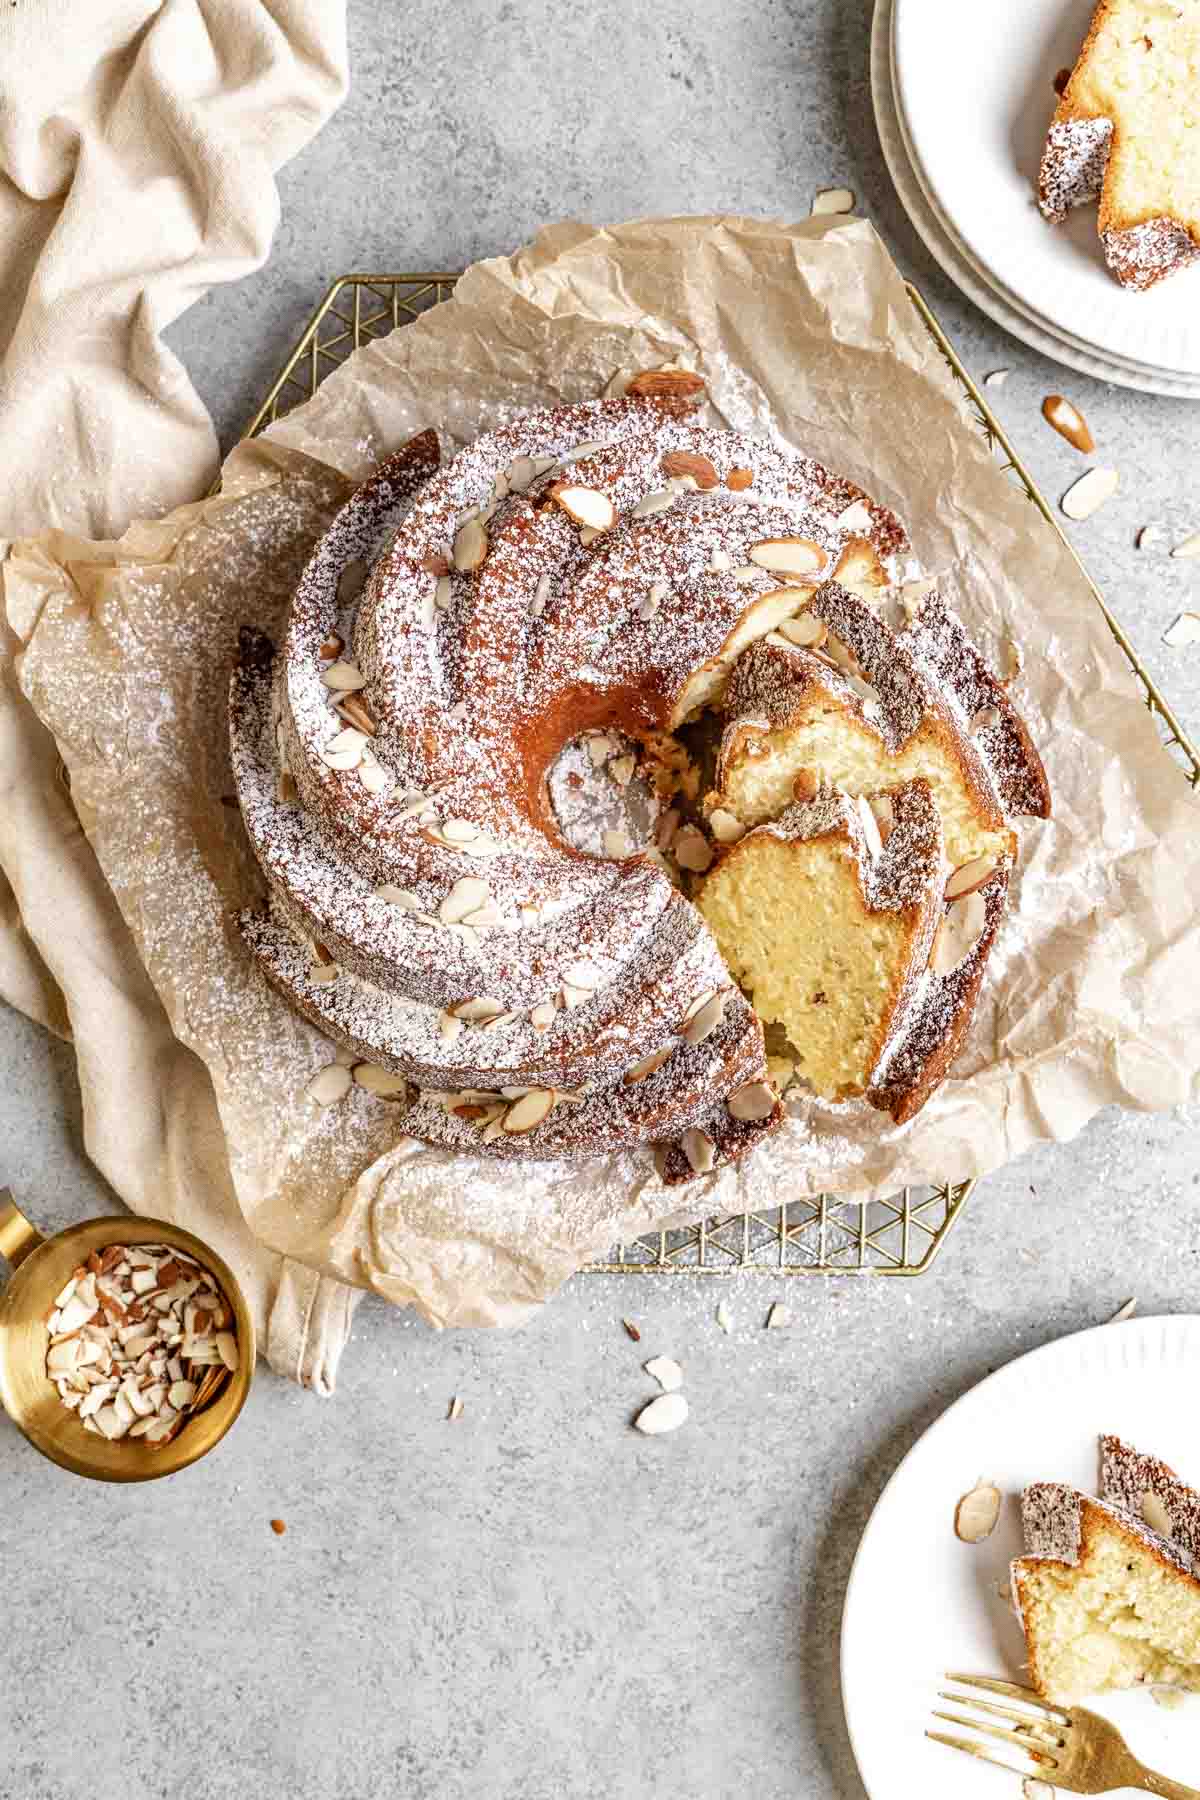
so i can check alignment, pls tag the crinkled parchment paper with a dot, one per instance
(1093, 993)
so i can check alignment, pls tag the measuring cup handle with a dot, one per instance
(17, 1236)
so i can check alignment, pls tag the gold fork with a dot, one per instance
(1070, 1748)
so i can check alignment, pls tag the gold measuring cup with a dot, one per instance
(41, 1267)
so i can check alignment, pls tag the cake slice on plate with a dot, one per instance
(1105, 1600)
(1127, 130)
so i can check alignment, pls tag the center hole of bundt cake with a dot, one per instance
(602, 804)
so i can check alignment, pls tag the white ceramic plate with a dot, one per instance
(952, 258)
(988, 278)
(919, 1602)
(975, 85)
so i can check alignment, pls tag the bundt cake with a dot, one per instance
(461, 774)
(1105, 1601)
(1125, 130)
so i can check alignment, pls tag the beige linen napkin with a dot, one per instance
(138, 146)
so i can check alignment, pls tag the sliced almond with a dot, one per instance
(332, 646)
(476, 1010)
(541, 594)
(805, 629)
(621, 768)
(754, 1101)
(692, 850)
(228, 1350)
(458, 831)
(832, 200)
(779, 1317)
(856, 517)
(583, 975)
(1069, 422)
(384, 1082)
(725, 1319)
(706, 1021)
(344, 677)
(885, 815)
(528, 1112)
(660, 501)
(543, 1015)
(470, 546)
(467, 895)
(1189, 546)
(648, 1065)
(725, 826)
(618, 845)
(976, 1514)
(789, 556)
(738, 480)
(958, 933)
(521, 474)
(666, 1371)
(699, 1149)
(404, 898)
(355, 708)
(666, 386)
(1088, 494)
(969, 876)
(1123, 1312)
(996, 378)
(345, 749)
(701, 1000)
(690, 462)
(1156, 1515)
(586, 506)
(870, 825)
(330, 1084)
(1185, 630)
(667, 1413)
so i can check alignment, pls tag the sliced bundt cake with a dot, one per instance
(1104, 1600)
(1126, 130)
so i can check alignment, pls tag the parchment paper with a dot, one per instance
(1092, 994)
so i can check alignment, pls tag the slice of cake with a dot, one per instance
(1127, 129)
(1105, 1601)
(830, 927)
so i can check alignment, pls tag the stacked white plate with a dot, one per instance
(963, 96)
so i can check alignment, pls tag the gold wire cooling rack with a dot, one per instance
(824, 1235)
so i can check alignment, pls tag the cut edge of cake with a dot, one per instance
(1106, 1600)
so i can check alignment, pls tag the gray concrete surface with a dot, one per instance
(534, 1601)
